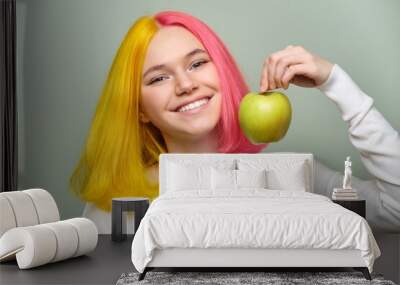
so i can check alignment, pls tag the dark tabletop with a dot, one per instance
(104, 265)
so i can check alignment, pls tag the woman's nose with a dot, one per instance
(185, 84)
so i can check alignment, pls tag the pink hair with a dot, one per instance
(232, 84)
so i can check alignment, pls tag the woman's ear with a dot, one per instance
(143, 118)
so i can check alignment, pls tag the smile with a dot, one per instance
(194, 107)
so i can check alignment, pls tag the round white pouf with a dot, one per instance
(40, 244)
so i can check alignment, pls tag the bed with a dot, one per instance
(245, 211)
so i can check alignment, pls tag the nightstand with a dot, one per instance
(119, 205)
(357, 206)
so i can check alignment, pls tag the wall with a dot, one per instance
(65, 49)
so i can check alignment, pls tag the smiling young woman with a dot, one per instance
(174, 87)
(181, 96)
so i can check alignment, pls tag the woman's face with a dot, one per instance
(180, 86)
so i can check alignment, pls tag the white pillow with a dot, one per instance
(223, 179)
(251, 178)
(293, 178)
(183, 177)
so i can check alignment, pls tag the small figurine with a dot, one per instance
(346, 192)
(347, 174)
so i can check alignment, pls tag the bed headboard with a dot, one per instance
(230, 160)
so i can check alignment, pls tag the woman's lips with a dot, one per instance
(196, 110)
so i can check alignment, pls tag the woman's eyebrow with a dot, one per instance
(162, 66)
(195, 51)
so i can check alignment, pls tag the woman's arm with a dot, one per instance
(376, 140)
(379, 146)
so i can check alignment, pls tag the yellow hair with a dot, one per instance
(119, 147)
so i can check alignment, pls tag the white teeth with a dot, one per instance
(193, 105)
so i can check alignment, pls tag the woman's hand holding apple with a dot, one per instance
(295, 65)
(266, 117)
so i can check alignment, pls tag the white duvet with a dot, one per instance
(251, 218)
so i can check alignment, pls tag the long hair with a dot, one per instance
(119, 148)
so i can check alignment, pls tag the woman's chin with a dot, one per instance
(196, 132)
(198, 126)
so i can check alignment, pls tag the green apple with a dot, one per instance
(265, 117)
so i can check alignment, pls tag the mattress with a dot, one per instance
(250, 219)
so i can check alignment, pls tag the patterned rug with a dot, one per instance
(243, 278)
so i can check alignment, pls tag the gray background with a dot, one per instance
(65, 49)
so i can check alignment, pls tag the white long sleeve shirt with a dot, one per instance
(379, 146)
(375, 139)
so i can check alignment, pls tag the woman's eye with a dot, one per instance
(199, 63)
(157, 79)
